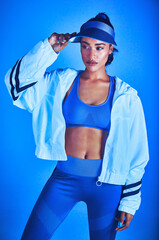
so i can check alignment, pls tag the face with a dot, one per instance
(95, 53)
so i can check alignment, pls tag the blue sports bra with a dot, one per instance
(77, 113)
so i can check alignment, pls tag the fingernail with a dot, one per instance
(57, 41)
(119, 224)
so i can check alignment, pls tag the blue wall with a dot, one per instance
(22, 175)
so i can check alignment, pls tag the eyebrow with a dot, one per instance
(95, 44)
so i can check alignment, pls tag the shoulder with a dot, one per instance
(64, 77)
(124, 88)
(127, 95)
(65, 73)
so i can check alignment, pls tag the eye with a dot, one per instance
(85, 47)
(99, 48)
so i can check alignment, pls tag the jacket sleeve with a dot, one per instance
(138, 156)
(28, 81)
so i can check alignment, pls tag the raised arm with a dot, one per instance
(28, 81)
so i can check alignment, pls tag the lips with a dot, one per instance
(91, 62)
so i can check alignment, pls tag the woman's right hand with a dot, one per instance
(59, 41)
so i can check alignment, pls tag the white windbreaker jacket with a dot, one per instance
(41, 93)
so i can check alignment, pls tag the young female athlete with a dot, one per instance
(89, 121)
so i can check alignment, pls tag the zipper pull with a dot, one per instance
(98, 183)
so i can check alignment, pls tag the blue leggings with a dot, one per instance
(73, 181)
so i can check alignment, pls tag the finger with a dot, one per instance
(67, 36)
(121, 228)
(57, 38)
(128, 219)
(64, 38)
(53, 38)
(122, 217)
(72, 34)
(61, 38)
(120, 221)
(126, 222)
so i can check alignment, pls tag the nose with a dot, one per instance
(92, 53)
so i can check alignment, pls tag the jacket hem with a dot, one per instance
(112, 178)
(50, 154)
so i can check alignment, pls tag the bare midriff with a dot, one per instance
(87, 142)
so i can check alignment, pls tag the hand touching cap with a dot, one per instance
(59, 41)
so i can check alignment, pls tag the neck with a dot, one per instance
(94, 75)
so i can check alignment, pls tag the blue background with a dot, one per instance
(22, 175)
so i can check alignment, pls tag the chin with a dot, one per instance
(93, 68)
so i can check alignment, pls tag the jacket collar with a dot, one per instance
(122, 88)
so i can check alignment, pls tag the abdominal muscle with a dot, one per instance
(85, 142)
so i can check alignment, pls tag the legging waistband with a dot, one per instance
(80, 166)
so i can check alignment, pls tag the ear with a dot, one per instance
(110, 48)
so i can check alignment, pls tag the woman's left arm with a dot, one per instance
(138, 155)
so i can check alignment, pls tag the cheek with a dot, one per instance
(83, 54)
(104, 56)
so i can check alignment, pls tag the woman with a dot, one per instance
(92, 123)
